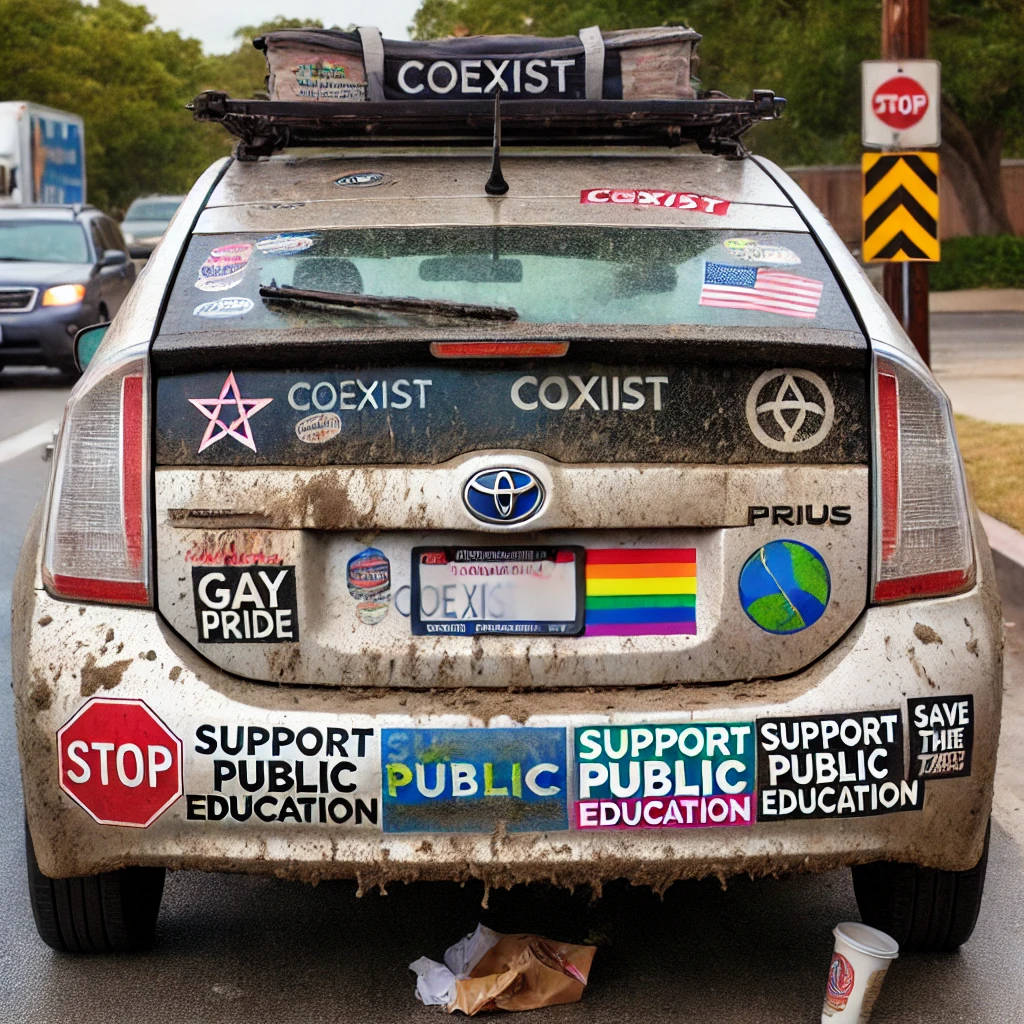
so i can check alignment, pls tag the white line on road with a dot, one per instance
(34, 437)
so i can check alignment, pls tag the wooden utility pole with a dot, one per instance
(905, 35)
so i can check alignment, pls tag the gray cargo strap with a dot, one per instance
(373, 60)
(593, 53)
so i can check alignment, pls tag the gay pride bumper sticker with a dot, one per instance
(641, 591)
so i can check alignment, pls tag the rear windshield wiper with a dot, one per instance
(391, 304)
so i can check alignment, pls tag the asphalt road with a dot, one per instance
(253, 949)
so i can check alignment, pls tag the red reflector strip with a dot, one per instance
(931, 584)
(497, 349)
(108, 591)
(889, 470)
(131, 466)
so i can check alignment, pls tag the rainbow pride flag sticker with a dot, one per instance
(641, 591)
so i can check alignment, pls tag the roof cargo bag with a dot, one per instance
(331, 65)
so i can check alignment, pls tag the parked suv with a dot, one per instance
(62, 268)
(405, 527)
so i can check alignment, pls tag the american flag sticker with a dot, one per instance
(760, 289)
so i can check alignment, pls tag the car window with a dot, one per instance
(97, 237)
(110, 234)
(43, 242)
(585, 275)
(152, 209)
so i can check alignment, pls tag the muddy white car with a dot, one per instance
(606, 528)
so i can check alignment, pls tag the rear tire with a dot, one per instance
(114, 912)
(923, 909)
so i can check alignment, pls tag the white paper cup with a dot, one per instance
(859, 961)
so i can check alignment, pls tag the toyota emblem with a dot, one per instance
(503, 496)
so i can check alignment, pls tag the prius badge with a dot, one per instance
(503, 496)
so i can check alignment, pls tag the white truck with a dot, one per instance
(42, 155)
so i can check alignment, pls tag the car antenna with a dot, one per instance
(496, 184)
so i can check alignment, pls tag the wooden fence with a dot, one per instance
(837, 192)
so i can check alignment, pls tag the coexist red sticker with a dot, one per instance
(652, 197)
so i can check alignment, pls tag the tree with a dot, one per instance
(242, 73)
(810, 52)
(128, 80)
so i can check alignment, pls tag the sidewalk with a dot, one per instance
(977, 340)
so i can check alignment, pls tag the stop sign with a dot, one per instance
(900, 102)
(119, 762)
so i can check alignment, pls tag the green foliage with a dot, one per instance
(806, 50)
(130, 82)
(127, 79)
(984, 261)
(242, 73)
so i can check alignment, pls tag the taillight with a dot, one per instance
(923, 544)
(97, 530)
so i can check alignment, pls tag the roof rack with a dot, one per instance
(715, 123)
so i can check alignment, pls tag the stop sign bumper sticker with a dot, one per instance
(119, 762)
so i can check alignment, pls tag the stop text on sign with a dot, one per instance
(119, 762)
(900, 102)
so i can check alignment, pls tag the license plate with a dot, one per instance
(466, 591)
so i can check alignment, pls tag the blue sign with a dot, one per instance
(470, 780)
(58, 161)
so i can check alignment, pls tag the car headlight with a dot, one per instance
(128, 236)
(64, 295)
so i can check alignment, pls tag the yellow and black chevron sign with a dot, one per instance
(901, 206)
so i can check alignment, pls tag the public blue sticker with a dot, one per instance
(472, 780)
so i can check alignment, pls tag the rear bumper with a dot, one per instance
(65, 654)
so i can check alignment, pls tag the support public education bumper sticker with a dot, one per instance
(472, 780)
(665, 776)
(295, 771)
(833, 766)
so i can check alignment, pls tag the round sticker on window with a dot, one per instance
(752, 251)
(360, 179)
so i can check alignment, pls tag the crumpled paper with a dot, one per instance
(486, 970)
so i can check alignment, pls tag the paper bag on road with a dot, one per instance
(490, 971)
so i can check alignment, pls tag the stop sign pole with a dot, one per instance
(905, 288)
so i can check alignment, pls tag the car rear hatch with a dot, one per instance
(657, 473)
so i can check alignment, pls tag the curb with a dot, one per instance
(977, 300)
(1008, 555)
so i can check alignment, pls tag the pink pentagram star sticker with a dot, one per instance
(238, 427)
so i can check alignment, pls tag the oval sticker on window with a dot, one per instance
(361, 179)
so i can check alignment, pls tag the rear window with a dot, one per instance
(152, 210)
(549, 275)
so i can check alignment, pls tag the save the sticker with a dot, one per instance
(695, 775)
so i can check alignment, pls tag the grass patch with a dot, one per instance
(982, 261)
(994, 459)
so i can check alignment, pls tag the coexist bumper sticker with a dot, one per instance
(472, 780)
(665, 776)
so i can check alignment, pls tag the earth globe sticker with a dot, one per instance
(785, 586)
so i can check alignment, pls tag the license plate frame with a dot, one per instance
(499, 553)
